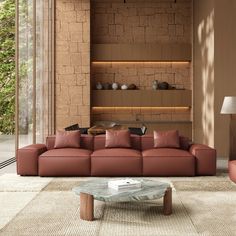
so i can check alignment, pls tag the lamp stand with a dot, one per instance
(232, 150)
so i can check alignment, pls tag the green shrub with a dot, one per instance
(7, 66)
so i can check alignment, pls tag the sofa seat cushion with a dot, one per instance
(116, 162)
(168, 162)
(116, 152)
(65, 162)
(166, 152)
(67, 152)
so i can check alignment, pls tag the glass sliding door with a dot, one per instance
(7, 82)
(25, 83)
(34, 69)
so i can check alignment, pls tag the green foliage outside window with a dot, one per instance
(7, 66)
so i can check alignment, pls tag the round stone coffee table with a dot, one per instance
(98, 190)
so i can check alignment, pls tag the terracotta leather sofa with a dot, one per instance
(232, 170)
(93, 159)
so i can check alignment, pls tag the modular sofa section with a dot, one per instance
(27, 159)
(168, 162)
(232, 170)
(65, 162)
(116, 162)
(205, 159)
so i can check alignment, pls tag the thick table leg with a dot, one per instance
(86, 206)
(167, 202)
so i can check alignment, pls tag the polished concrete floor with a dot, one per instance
(7, 147)
(10, 169)
(7, 150)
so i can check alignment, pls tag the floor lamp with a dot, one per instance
(229, 107)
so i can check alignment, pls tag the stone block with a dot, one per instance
(62, 121)
(64, 70)
(84, 110)
(73, 110)
(84, 47)
(67, 79)
(74, 120)
(62, 109)
(76, 37)
(81, 16)
(85, 69)
(70, 16)
(63, 58)
(63, 36)
(69, 6)
(86, 38)
(75, 27)
(179, 30)
(119, 30)
(85, 5)
(85, 59)
(76, 59)
(143, 21)
(81, 79)
(73, 47)
(85, 121)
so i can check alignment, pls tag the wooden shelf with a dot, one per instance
(142, 98)
(148, 121)
(184, 127)
(142, 52)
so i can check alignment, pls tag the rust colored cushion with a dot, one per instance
(67, 139)
(166, 139)
(118, 139)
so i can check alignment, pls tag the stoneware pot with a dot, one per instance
(107, 86)
(155, 84)
(163, 85)
(132, 87)
(124, 87)
(98, 86)
(115, 86)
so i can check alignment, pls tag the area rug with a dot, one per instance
(199, 208)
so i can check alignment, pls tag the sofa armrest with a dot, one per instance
(205, 159)
(27, 159)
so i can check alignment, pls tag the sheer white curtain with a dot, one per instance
(35, 77)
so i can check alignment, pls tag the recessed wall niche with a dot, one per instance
(138, 25)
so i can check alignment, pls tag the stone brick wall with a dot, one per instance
(72, 63)
(138, 21)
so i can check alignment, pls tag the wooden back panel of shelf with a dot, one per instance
(142, 52)
(141, 98)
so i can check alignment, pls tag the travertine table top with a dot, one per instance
(99, 189)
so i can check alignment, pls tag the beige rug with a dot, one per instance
(199, 208)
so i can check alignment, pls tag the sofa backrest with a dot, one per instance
(100, 140)
(147, 142)
(86, 142)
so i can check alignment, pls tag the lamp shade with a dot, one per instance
(229, 106)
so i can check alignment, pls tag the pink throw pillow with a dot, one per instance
(67, 139)
(118, 139)
(166, 139)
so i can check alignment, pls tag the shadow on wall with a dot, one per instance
(205, 40)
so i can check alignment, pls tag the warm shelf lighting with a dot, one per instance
(140, 62)
(143, 108)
